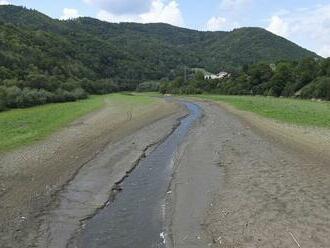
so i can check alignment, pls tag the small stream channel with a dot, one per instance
(135, 218)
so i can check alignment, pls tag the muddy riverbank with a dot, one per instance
(238, 181)
(135, 218)
(237, 186)
(31, 177)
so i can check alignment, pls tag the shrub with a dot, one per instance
(319, 88)
(18, 98)
(79, 93)
(148, 87)
(13, 97)
(3, 99)
(103, 86)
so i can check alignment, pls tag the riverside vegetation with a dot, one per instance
(44, 60)
(307, 78)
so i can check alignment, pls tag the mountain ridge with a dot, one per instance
(129, 52)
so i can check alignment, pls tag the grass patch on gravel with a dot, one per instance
(24, 126)
(293, 111)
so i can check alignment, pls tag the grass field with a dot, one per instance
(294, 111)
(23, 126)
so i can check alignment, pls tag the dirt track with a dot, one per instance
(239, 185)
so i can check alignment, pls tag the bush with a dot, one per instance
(17, 98)
(14, 97)
(30, 97)
(319, 88)
(22, 94)
(70, 85)
(148, 87)
(61, 95)
(99, 87)
(190, 90)
(3, 99)
(79, 93)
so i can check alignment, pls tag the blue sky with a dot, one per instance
(305, 22)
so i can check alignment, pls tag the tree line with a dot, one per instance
(307, 78)
(40, 89)
(44, 60)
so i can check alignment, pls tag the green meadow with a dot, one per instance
(24, 126)
(294, 111)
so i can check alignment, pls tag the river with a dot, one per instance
(135, 217)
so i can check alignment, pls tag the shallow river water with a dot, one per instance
(135, 218)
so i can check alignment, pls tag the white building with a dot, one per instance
(220, 75)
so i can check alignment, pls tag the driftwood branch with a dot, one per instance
(295, 240)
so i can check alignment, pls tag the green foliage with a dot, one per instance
(3, 99)
(325, 68)
(52, 60)
(319, 88)
(99, 87)
(15, 97)
(284, 75)
(150, 86)
(306, 78)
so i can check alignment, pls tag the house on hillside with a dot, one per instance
(220, 75)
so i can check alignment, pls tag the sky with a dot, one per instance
(305, 22)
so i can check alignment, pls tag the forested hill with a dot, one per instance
(39, 52)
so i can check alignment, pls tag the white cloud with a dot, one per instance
(4, 2)
(109, 17)
(69, 14)
(122, 7)
(325, 51)
(216, 23)
(234, 4)
(160, 11)
(220, 23)
(278, 26)
(310, 27)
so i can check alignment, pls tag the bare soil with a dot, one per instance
(32, 177)
(240, 180)
(245, 181)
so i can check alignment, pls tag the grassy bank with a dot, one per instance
(23, 126)
(294, 111)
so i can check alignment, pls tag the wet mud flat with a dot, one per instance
(135, 218)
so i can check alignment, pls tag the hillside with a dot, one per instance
(39, 52)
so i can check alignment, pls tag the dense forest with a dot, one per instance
(307, 78)
(48, 60)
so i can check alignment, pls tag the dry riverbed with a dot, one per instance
(239, 181)
(33, 177)
(245, 181)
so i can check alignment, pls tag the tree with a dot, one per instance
(319, 88)
(5, 73)
(3, 98)
(259, 75)
(284, 74)
(325, 67)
